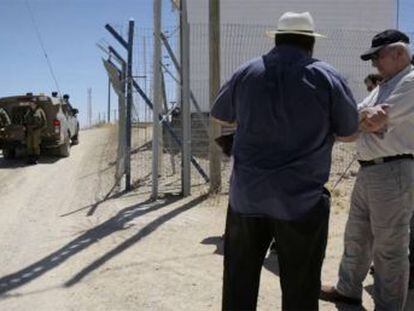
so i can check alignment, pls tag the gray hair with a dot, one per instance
(406, 48)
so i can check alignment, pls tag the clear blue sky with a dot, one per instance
(70, 30)
(406, 15)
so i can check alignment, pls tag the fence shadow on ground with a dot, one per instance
(92, 236)
(92, 207)
(110, 195)
(148, 229)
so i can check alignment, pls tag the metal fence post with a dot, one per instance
(156, 129)
(214, 75)
(129, 98)
(185, 104)
(129, 106)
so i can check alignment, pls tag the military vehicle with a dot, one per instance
(61, 132)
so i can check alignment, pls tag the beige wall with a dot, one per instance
(349, 25)
(350, 14)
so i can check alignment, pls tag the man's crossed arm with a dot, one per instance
(371, 120)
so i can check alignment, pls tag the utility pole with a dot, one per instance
(185, 103)
(156, 91)
(214, 61)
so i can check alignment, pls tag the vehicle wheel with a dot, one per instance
(64, 150)
(75, 139)
(9, 153)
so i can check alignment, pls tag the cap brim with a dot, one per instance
(272, 33)
(368, 54)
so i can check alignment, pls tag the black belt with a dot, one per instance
(386, 159)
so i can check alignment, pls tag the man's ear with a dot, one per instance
(399, 51)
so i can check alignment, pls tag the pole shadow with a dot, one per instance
(90, 237)
(145, 231)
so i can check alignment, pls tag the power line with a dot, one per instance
(39, 37)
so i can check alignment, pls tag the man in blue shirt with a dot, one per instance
(288, 108)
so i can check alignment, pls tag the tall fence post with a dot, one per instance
(129, 106)
(156, 129)
(122, 123)
(129, 98)
(214, 75)
(185, 104)
(118, 81)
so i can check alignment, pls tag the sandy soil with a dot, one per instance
(63, 247)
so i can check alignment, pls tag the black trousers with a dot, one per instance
(300, 248)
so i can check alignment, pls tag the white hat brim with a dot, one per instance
(272, 33)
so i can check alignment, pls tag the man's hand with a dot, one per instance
(374, 119)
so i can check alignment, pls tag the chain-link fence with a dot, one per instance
(239, 43)
(141, 157)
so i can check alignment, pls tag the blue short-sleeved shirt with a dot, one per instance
(288, 107)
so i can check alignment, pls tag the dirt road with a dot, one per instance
(38, 232)
(63, 248)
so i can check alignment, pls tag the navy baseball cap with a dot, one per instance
(383, 39)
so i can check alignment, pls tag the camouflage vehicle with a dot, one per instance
(61, 132)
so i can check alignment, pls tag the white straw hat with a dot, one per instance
(295, 23)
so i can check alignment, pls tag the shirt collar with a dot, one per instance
(398, 76)
(289, 53)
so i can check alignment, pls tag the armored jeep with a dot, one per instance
(61, 132)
